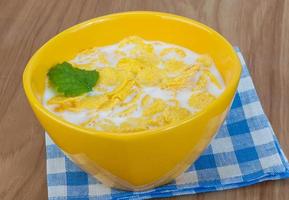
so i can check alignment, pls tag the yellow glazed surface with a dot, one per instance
(144, 159)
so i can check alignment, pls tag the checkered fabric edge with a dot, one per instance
(245, 151)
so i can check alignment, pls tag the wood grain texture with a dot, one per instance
(259, 28)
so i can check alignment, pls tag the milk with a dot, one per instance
(111, 55)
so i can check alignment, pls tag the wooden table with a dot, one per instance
(259, 28)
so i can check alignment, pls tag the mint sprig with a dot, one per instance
(71, 81)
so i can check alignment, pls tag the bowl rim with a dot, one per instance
(37, 104)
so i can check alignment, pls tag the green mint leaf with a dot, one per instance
(71, 81)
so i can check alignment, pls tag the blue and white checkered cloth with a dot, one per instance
(245, 151)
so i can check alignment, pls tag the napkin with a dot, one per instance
(245, 151)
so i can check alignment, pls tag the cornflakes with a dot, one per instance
(142, 85)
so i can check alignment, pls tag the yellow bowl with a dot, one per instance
(138, 160)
